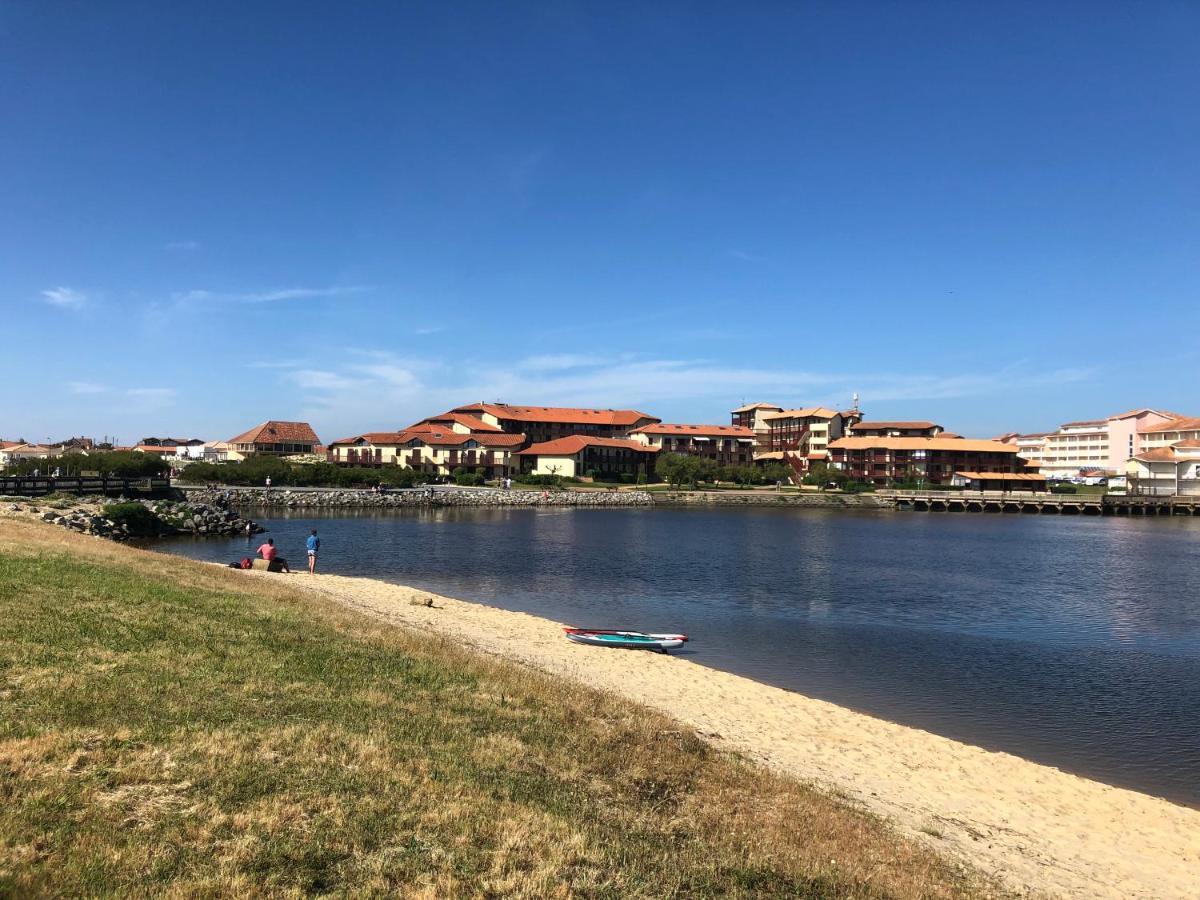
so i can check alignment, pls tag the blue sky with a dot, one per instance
(219, 213)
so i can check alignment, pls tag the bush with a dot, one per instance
(119, 464)
(1063, 488)
(469, 479)
(137, 518)
(541, 480)
(255, 470)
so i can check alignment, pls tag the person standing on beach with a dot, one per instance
(268, 482)
(313, 544)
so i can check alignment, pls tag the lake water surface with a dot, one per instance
(1070, 641)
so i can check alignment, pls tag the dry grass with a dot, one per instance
(172, 728)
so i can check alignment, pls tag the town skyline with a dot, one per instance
(369, 217)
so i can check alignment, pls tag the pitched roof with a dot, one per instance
(567, 414)
(1084, 422)
(373, 437)
(1158, 454)
(750, 406)
(1182, 423)
(963, 445)
(473, 422)
(896, 426)
(433, 437)
(704, 430)
(569, 446)
(276, 432)
(1145, 409)
(1001, 476)
(807, 412)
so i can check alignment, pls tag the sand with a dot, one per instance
(1034, 827)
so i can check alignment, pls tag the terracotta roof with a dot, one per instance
(1145, 409)
(373, 437)
(820, 412)
(274, 432)
(4, 445)
(964, 445)
(895, 426)
(750, 406)
(1158, 454)
(487, 439)
(473, 422)
(569, 446)
(567, 414)
(151, 448)
(705, 430)
(1182, 423)
(1190, 442)
(1001, 476)
(1084, 422)
(950, 434)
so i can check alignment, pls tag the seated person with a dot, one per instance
(276, 563)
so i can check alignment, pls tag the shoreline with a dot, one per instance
(1033, 826)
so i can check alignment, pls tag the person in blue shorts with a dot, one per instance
(313, 544)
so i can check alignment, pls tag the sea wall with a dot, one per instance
(326, 498)
(285, 498)
(769, 498)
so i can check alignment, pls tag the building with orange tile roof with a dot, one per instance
(727, 445)
(884, 460)
(546, 423)
(1092, 444)
(276, 438)
(895, 429)
(582, 455)
(1172, 470)
(432, 451)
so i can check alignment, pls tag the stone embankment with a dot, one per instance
(313, 498)
(283, 498)
(120, 522)
(770, 498)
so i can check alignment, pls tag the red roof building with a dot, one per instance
(582, 455)
(727, 445)
(276, 438)
(546, 423)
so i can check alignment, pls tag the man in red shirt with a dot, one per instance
(275, 563)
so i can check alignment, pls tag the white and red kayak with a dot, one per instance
(599, 637)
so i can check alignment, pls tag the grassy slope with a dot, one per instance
(171, 726)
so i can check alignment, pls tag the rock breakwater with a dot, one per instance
(124, 520)
(284, 498)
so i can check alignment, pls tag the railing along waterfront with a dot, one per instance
(1041, 502)
(40, 485)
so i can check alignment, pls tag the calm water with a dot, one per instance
(1071, 641)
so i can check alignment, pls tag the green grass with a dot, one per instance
(168, 727)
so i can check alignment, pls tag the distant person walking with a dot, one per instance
(313, 544)
(268, 482)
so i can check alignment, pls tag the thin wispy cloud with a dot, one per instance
(85, 387)
(269, 364)
(151, 397)
(747, 257)
(64, 298)
(390, 392)
(434, 329)
(270, 296)
(183, 246)
(319, 379)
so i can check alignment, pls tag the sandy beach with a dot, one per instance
(1038, 829)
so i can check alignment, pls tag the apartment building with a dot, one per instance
(1092, 445)
(882, 460)
(895, 429)
(752, 416)
(805, 432)
(547, 423)
(437, 452)
(578, 455)
(1172, 431)
(726, 445)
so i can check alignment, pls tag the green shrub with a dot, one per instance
(1063, 488)
(541, 480)
(137, 518)
(469, 479)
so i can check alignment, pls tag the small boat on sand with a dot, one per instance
(599, 637)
